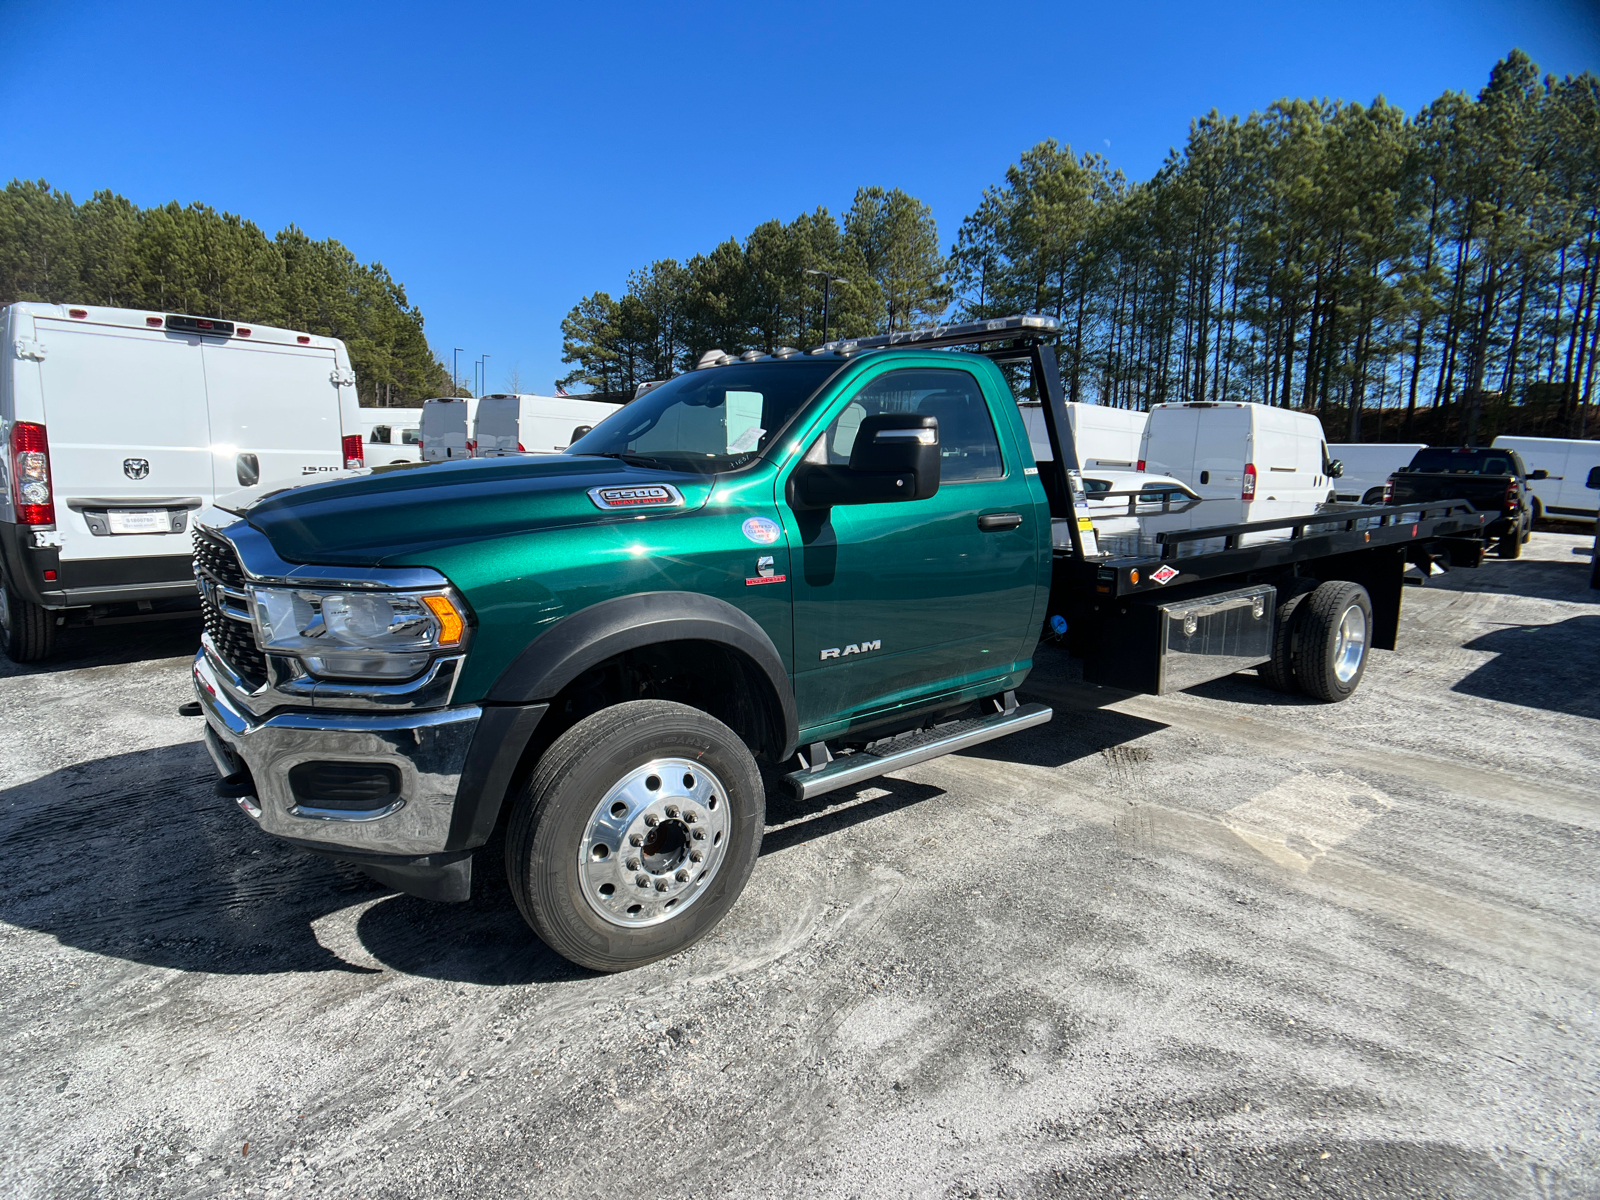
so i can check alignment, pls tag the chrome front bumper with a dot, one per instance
(429, 749)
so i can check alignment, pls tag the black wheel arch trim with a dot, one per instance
(592, 635)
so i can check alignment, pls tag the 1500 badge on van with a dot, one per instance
(317, 470)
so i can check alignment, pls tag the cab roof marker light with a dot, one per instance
(79, 313)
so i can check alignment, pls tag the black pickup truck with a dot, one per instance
(1491, 480)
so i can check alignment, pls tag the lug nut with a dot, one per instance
(682, 876)
(661, 885)
(642, 879)
(672, 810)
(697, 855)
(689, 817)
(636, 839)
(699, 834)
(652, 819)
(633, 864)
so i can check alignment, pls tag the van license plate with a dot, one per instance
(138, 520)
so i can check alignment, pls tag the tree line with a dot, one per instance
(1426, 275)
(195, 260)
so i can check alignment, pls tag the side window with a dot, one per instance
(380, 434)
(968, 446)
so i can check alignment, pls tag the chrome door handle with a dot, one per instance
(996, 522)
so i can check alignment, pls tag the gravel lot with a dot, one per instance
(1210, 944)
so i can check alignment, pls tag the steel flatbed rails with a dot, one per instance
(1161, 597)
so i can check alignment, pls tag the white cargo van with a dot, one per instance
(1367, 467)
(1107, 438)
(1568, 461)
(392, 435)
(1272, 459)
(535, 424)
(118, 424)
(444, 426)
(496, 427)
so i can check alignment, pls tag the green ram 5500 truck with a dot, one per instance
(838, 562)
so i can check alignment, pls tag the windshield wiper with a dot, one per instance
(637, 460)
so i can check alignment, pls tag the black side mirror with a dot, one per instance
(895, 457)
(1336, 468)
(1594, 478)
(579, 432)
(247, 469)
(1541, 473)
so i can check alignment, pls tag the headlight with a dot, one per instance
(358, 635)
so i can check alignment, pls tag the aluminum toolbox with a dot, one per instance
(1211, 636)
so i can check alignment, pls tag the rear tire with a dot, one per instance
(1333, 640)
(1278, 674)
(28, 630)
(676, 779)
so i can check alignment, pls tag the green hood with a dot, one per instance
(404, 511)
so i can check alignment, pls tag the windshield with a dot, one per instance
(1463, 462)
(709, 421)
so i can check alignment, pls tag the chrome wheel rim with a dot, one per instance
(654, 843)
(1352, 645)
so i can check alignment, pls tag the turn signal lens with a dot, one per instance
(451, 623)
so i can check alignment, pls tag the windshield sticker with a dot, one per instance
(762, 531)
(747, 440)
(647, 495)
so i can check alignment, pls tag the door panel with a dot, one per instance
(278, 403)
(125, 411)
(899, 601)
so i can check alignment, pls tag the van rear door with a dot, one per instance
(125, 412)
(1222, 446)
(496, 426)
(274, 412)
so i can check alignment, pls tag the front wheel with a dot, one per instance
(27, 629)
(1332, 640)
(635, 835)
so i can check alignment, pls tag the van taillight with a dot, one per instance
(1249, 492)
(1141, 465)
(353, 456)
(30, 474)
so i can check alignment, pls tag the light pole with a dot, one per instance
(827, 286)
(455, 372)
(485, 361)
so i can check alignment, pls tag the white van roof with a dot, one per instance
(138, 318)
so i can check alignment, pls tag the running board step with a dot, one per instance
(909, 749)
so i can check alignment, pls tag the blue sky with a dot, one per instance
(505, 159)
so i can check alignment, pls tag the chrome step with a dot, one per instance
(894, 753)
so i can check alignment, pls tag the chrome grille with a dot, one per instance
(225, 607)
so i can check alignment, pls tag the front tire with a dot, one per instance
(635, 835)
(1333, 640)
(28, 630)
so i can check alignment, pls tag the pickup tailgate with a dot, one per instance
(1486, 493)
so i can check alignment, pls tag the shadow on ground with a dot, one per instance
(1555, 667)
(133, 856)
(109, 645)
(1523, 577)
